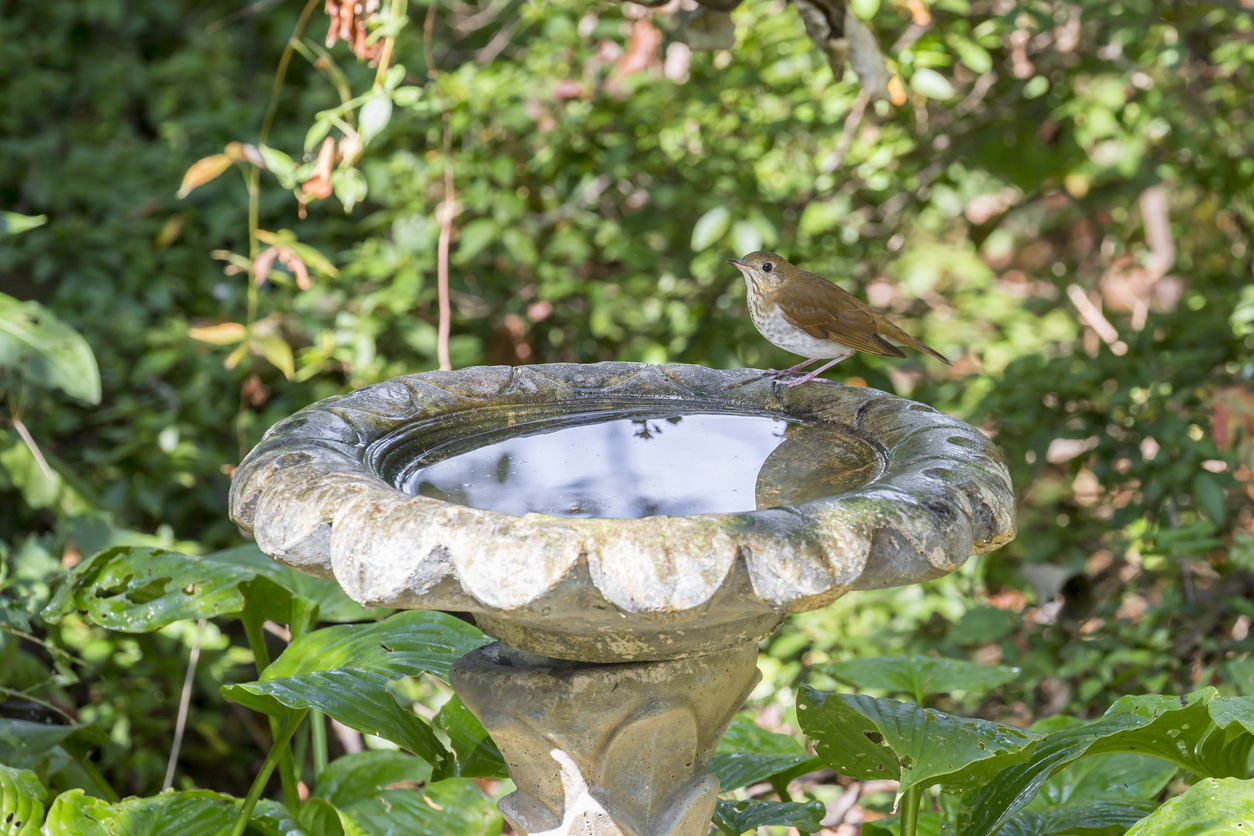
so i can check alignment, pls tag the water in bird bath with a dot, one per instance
(621, 465)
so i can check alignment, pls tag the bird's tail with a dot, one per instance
(895, 333)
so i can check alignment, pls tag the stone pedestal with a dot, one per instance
(607, 750)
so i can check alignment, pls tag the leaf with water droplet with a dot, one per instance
(920, 747)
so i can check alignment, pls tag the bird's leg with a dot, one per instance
(808, 377)
(788, 372)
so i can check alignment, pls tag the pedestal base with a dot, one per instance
(607, 750)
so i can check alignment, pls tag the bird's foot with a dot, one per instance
(806, 378)
(794, 371)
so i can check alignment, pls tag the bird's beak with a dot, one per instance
(737, 262)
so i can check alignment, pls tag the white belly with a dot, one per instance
(783, 334)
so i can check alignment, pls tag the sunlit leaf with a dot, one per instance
(46, 351)
(711, 227)
(931, 84)
(1209, 808)
(224, 333)
(202, 171)
(193, 813)
(373, 118)
(21, 802)
(11, 223)
(276, 350)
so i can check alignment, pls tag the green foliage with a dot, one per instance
(882, 738)
(21, 802)
(45, 351)
(1209, 808)
(920, 676)
(1040, 156)
(345, 671)
(737, 817)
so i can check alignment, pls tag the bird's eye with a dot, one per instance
(768, 267)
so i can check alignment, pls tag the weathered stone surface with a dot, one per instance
(923, 492)
(607, 750)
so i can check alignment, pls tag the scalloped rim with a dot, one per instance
(313, 502)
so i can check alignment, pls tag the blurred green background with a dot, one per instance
(1061, 200)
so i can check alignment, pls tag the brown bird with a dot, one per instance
(806, 314)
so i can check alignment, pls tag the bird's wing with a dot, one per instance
(826, 311)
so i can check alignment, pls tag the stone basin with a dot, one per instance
(628, 533)
(914, 494)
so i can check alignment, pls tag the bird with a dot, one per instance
(808, 315)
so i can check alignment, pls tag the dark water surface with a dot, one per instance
(600, 464)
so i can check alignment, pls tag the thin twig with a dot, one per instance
(446, 209)
(498, 43)
(180, 725)
(846, 136)
(240, 14)
(32, 446)
(281, 72)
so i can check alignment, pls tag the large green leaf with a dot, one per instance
(193, 813)
(868, 738)
(477, 755)
(344, 671)
(1210, 808)
(737, 817)
(270, 818)
(386, 794)
(46, 351)
(749, 753)
(1104, 778)
(21, 802)
(139, 590)
(919, 676)
(1180, 731)
(333, 604)
(1091, 818)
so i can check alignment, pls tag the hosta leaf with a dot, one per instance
(454, 807)
(871, 738)
(477, 755)
(138, 590)
(929, 824)
(21, 802)
(920, 676)
(1178, 730)
(46, 351)
(1209, 808)
(359, 699)
(1091, 818)
(749, 753)
(193, 813)
(359, 777)
(737, 817)
(344, 671)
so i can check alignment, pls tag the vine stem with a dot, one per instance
(911, 801)
(277, 751)
(287, 767)
(445, 212)
(395, 14)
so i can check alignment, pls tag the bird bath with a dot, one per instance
(627, 533)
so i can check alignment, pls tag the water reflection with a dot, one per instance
(627, 468)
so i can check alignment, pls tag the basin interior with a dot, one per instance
(624, 461)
